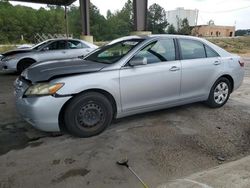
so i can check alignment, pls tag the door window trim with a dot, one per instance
(177, 54)
(55, 49)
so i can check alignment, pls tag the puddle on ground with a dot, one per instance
(19, 135)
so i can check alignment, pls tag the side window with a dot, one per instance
(158, 51)
(191, 49)
(72, 44)
(210, 52)
(57, 45)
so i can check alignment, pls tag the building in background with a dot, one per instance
(213, 31)
(175, 17)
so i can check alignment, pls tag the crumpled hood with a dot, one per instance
(17, 51)
(45, 71)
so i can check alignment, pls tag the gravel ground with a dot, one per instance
(161, 145)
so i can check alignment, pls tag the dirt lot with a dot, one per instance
(161, 146)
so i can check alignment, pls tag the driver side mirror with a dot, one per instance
(135, 61)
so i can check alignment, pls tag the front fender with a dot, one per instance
(103, 80)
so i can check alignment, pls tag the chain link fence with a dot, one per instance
(42, 37)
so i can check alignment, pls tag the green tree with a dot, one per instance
(240, 32)
(74, 21)
(97, 23)
(120, 23)
(157, 21)
(171, 29)
(185, 28)
(17, 21)
(109, 14)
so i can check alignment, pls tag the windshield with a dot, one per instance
(111, 53)
(40, 45)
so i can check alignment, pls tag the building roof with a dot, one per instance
(50, 2)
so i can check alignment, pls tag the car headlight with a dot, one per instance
(43, 89)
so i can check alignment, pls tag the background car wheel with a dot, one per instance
(219, 93)
(24, 64)
(88, 114)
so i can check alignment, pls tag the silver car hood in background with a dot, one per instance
(16, 51)
(45, 71)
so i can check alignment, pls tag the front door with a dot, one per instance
(53, 51)
(154, 83)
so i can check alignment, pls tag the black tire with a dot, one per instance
(88, 114)
(211, 102)
(24, 64)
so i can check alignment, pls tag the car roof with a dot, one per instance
(55, 39)
(85, 42)
(164, 36)
(218, 49)
(156, 36)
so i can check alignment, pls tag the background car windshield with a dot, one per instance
(40, 45)
(112, 53)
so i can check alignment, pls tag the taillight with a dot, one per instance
(241, 63)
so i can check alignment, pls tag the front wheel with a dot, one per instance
(88, 114)
(24, 64)
(219, 93)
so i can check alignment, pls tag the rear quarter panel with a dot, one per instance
(233, 68)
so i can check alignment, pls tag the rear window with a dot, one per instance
(191, 49)
(211, 52)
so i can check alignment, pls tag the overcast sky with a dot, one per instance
(223, 12)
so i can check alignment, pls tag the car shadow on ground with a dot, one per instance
(158, 112)
(18, 135)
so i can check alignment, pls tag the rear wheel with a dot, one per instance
(88, 114)
(24, 64)
(219, 93)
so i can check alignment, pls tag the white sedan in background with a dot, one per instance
(52, 49)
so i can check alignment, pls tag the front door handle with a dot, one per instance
(174, 68)
(217, 63)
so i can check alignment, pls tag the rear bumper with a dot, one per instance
(41, 112)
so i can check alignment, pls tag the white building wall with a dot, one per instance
(179, 14)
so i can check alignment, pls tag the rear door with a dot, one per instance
(155, 83)
(200, 67)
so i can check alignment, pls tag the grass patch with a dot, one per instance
(239, 45)
(6, 48)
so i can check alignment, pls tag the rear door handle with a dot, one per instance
(217, 63)
(174, 68)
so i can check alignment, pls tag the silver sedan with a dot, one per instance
(130, 75)
(52, 49)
